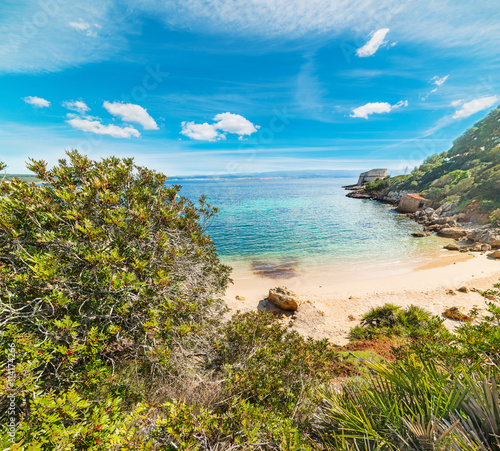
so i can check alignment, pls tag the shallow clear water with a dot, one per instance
(278, 227)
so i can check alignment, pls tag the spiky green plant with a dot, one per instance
(413, 405)
(392, 320)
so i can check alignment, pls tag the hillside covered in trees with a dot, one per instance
(467, 173)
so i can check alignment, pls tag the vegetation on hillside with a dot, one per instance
(469, 171)
(112, 328)
(22, 177)
(440, 394)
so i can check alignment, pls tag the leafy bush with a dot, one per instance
(454, 177)
(377, 185)
(268, 364)
(243, 426)
(495, 217)
(101, 266)
(68, 421)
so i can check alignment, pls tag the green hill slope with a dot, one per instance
(468, 173)
(22, 177)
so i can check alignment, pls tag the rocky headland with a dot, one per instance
(443, 220)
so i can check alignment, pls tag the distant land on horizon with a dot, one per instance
(306, 173)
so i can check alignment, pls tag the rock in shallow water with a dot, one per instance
(283, 298)
(419, 234)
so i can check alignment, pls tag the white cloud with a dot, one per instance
(234, 123)
(201, 132)
(439, 80)
(225, 122)
(472, 107)
(376, 108)
(37, 102)
(468, 109)
(77, 105)
(85, 27)
(95, 126)
(446, 23)
(130, 112)
(376, 41)
(127, 111)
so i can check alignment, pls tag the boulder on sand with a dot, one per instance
(478, 247)
(283, 298)
(486, 236)
(452, 247)
(452, 232)
(495, 254)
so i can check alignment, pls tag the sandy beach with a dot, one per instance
(333, 301)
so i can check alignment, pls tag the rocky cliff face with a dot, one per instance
(372, 175)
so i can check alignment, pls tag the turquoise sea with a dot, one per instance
(281, 227)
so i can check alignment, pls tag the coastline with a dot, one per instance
(334, 297)
(332, 303)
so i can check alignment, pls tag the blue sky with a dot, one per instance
(235, 86)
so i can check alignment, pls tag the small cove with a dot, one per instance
(285, 227)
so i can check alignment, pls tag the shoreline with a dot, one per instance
(335, 297)
(333, 303)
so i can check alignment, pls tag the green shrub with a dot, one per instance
(495, 217)
(392, 321)
(242, 426)
(68, 421)
(270, 365)
(454, 177)
(102, 266)
(377, 185)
